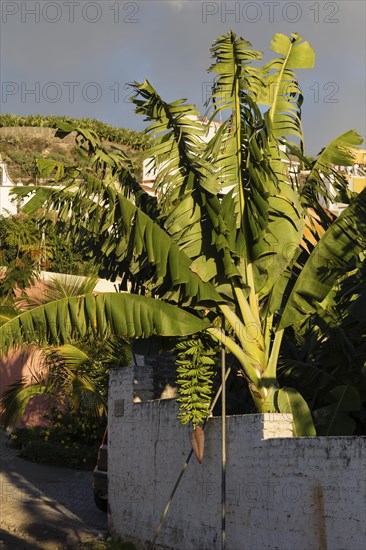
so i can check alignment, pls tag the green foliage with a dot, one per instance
(290, 401)
(325, 358)
(282, 93)
(68, 427)
(340, 151)
(20, 253)
(23, 164)
(26, 164)
(328, 261)
(66, 256)
(109, 544)
(81, 457)
(224, 236)
(25, 249)
(335, 418)
(15, 399)
(195, 370)
(75, 377)
(130, 138)
(72, 441)
(78, 374)
(71, 318)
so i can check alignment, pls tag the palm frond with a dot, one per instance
(57, 287)
(281, 91)
(125, 315)
(15, 399)
(330, 258)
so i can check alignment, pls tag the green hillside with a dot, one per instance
(130, 138)
(25, 139)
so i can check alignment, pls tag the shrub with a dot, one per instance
(81, 457)
(72, 441)
(130, 138)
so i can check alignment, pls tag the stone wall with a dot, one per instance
(282, 493)
(154, 377)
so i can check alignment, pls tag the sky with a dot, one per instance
(76, 58)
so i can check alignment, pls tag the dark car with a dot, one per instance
(100, 476)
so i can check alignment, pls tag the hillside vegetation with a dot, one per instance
(130, 138)
(22, 149)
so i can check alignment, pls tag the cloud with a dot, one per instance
(177, 5)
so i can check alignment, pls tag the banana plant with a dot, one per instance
(75, 375)
(216, 251)
(325, 357)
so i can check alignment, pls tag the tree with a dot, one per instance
(25, 250)
(74, 376)
(20, 254)
(324, 358)
(219, 251)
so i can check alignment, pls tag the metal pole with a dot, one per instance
(166, 509)
(223, 451)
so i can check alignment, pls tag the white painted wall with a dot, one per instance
(282, 493)
(6, 205)
(102, 285)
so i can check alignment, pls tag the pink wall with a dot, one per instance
(28, 364)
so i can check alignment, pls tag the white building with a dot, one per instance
(6, 184)
(149, 170)
(355, 174)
